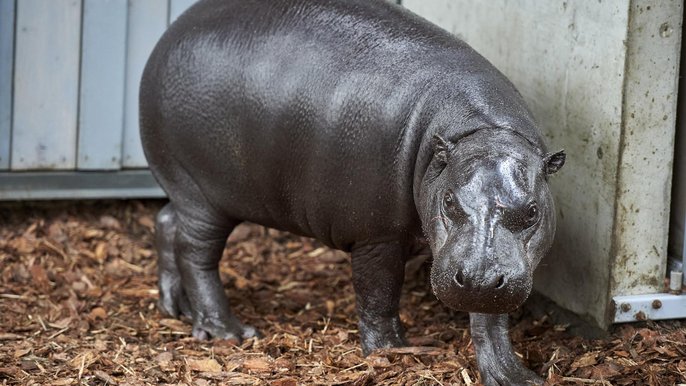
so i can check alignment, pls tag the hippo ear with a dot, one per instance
(554, 162)
(440, 148)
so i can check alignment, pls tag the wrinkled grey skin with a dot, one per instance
(358, 124)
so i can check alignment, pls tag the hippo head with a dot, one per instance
(488, 215)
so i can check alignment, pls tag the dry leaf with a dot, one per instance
(100, 251)
(62, 323)
(97, 313)
(139, 292)
(258, 364)
(330, 306)
(588, 359)
(89, 234)
(18, 353)
(147, 222)
(666, 352)
(604, 371)
(411, 351)
(10, 336)
(83, 360)
(378, 361)
(204, 365)
(105, 377)
(284, 382)
(164, 360)
(175, 324)
(240, 233)
(109, 222)
(342, 336)
(40, 277)
(63, 381)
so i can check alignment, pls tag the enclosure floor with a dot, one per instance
(77, 306)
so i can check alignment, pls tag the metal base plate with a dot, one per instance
(51, 185)
(634, 308)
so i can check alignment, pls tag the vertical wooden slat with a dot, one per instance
(177, 7)
(7, 8)
(46, 82)
(103, 61)
(147, 21)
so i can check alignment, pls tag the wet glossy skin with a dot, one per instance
(361, 125)
(496, 220)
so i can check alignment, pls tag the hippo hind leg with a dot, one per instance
(190, 250)
(173, 300)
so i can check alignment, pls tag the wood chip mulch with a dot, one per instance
(77, 307)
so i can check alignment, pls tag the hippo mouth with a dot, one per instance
(494, 294)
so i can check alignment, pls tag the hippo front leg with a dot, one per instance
(495, 357)
(378, 274)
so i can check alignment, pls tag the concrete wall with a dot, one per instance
(600, 76)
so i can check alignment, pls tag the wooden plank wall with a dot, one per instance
(69, 76)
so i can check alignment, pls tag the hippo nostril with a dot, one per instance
(459, 278)
(501, 282)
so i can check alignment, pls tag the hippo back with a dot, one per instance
(311, 116)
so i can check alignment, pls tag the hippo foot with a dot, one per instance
(381, 333)
(231, 330)
(173, 301)
(518, 376)
(497, 361)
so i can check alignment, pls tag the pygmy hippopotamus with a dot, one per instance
(364, 126)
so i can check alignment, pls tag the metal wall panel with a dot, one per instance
(46, 80)
(147, 20)
(103, 65)
(7, 8)
(677, 227)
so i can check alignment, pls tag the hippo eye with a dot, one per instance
(532, 214)
(451, 207)
(448, 199)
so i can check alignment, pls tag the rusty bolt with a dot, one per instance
(625, 307)
(640, 316)
(657, 304)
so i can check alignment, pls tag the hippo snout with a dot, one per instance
(467, 280)
(483, 289)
